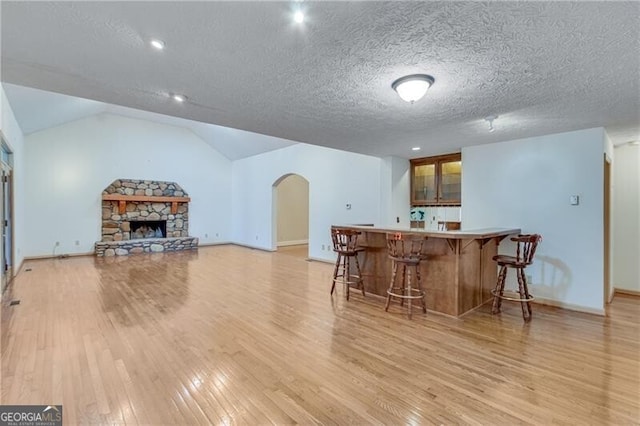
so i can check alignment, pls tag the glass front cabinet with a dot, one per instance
(436, 181)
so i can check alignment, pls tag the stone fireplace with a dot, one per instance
(142, 216)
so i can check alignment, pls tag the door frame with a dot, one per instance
(608, 293)
(6, 169)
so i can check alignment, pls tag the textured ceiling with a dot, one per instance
(542, 67)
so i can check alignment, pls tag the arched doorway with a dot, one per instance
(291, 215)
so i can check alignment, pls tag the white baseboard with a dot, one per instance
(292, 243)
(569, 306)
(626, 292)
(216, 243)
(59, 256)
(252, 247)
(316, 259)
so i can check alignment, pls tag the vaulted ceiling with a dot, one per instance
(541, 67)
(37, 110)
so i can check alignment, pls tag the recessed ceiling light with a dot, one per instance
(415, 148)
(157, 44)
(179, 98)
(298, 17)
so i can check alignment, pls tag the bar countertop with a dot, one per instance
(482, 233)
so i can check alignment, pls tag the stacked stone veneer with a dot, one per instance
(116, 228)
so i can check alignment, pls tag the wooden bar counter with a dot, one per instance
(457, 275)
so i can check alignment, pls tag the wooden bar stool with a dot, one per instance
(405, 251)
(525, 250)
(345, 243)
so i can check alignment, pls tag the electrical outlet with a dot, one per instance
(206, 235)
(323, 247)
(57, 243)
(77, 242)
(217, 234)
(256, 238)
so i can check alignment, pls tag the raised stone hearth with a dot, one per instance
(139, 201)
(148, 245)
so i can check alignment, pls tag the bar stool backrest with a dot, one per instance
(526, 248)
(405, 245)
(344, 240)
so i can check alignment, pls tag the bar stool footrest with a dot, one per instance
(340, 279)
(419, 294)
(513, 296)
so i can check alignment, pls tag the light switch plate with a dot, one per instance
(574, 200)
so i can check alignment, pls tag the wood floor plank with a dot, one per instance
(231, 335)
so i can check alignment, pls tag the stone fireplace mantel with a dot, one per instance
(123, 199)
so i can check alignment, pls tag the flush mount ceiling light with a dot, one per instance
(415, 148)
(489, 120)
(412, 87)
(157, 44)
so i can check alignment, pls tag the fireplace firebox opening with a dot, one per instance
(148, 229)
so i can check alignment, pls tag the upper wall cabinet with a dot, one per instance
(436, 181)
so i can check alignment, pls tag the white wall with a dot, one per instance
(626, 217)
(69, 166)
(526, 184)
(336, 178)
(14, 138)
(293, 210)
(394, 191)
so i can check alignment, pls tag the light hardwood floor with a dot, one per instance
(230, 335)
